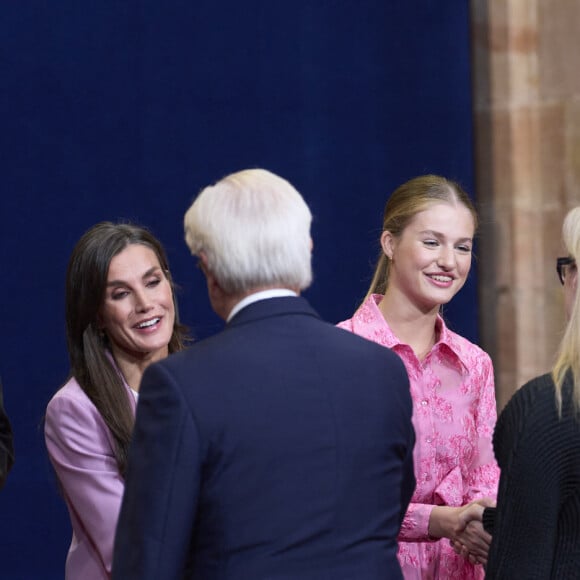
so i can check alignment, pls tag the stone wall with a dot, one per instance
(526, 88)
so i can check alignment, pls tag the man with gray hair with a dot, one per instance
(280, 448)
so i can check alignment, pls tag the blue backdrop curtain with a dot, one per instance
(126, 109)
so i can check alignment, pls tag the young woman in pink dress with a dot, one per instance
(426, 252)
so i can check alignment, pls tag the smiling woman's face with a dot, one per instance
(431, 258)
(138, 311)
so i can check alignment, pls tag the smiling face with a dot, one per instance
(431, 258)
(138, 311)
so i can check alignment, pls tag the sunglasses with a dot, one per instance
(562, 265)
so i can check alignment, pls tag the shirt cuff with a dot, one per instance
(415, 525)
(488, 520)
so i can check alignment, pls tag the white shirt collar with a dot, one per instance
(262, 295)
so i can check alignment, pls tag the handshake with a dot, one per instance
(469, 538)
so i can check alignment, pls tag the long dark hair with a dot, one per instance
(90, 363)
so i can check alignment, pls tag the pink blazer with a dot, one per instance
(80, 448)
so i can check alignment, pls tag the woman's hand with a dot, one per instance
(470, 539)
(463, 527)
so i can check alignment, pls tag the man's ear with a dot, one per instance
(212, 283)
(202, 262)
(388, 243)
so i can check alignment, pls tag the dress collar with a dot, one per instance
(369, 322)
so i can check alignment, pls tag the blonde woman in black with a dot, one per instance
(536, 525)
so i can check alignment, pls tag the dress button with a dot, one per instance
(424, 402)
(429, 439)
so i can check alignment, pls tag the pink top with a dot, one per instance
(454, 414)
(80, 447)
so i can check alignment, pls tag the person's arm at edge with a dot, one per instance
(6, 442)
(528, 507)
(408, 482)
(79, 450)
(160, 502)
(488, 519)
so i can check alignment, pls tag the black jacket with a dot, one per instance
(6, 444)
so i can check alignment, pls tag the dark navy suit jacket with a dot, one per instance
(280, 448)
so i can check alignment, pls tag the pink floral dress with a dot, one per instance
(454, 414)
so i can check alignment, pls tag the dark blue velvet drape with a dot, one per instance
(126, 108)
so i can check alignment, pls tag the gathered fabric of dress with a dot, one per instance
(454, 415)
(536, 528)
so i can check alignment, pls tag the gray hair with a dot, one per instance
(253, 227)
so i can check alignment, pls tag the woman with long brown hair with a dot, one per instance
(121, 316)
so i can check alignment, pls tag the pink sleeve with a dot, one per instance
(483, 474)
(81, 454)
(415, 526)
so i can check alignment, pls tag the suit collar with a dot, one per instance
(261, 295)
(273, 307)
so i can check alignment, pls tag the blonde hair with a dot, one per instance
(409, 199)
(568, 357)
